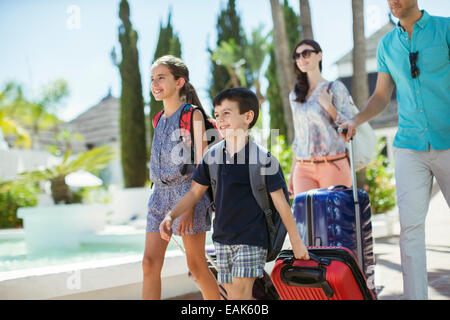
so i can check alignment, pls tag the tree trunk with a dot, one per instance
(360, 87)
(305, 20)
(60, 190)
(282, 58)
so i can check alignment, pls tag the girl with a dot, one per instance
(318, 106)
(170, 83)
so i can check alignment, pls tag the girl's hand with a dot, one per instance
(186, 222)
(165, 228)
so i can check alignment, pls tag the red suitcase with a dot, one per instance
(331, 274)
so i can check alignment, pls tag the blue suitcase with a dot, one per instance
(326, 218)
(329, 218)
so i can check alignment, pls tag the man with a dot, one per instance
(415, 58)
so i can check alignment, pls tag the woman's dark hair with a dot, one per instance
(301, 86)
(179, 70)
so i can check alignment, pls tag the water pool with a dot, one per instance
(14, 256)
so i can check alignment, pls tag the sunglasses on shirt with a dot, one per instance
(412, 61)
(305, 54)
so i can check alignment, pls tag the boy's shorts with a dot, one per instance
(239, 261)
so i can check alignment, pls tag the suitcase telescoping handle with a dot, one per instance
(356, 200)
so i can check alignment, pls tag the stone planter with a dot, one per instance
(60, 226)
(128, 203)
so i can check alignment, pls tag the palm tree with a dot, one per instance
(255, 54)
(227, 55)
(91, 160)
(9, 127)
(285, 72)
(360, 89)
(18, 113)
(305, 20)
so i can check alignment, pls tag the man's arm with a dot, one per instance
(284, 209)
(188, 201)
(377, 103)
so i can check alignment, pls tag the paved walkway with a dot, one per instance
(387, 251)
(388, 276)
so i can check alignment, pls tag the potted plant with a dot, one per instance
(62, 226)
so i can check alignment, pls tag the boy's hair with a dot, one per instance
(245, 98)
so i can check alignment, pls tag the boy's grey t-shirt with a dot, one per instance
(238, 218)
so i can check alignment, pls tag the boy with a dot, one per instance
(240, 234)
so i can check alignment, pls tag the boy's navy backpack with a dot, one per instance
(275, 227)
(186, 129)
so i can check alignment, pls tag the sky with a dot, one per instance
(43, 40)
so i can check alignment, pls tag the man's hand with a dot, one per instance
(348, 129)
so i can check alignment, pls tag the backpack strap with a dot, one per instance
(258, 181)
(186, 124)
(156, 118)
(212, 158)
(187, 128)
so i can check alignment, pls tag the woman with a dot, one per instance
(318, 106)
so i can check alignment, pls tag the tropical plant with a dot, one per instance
(228, 55)
(20, 116)
(380, 186)
(64, 140)
(92, 160)
(8, 125)
(255, 53)
(17, 195)
(228, 27)
(282, 150)
(239, 63)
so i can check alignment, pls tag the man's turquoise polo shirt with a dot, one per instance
(424, 101)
